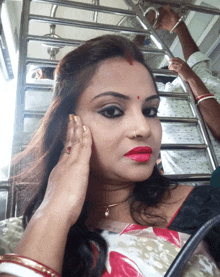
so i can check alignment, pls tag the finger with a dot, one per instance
(86, 144)
(76, 138)
(173, 68)
(68, 136)
(70, 128)
(80, 139)
(176, 59)
(175, 64)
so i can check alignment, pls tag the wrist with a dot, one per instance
(177, 24)
(191, 78)
(55, 217)
(181, 26)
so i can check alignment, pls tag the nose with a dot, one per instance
(140, 126)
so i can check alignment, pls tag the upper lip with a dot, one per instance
(139, 150)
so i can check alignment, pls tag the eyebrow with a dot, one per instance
(122, 96)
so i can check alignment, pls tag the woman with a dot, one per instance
(102, 208)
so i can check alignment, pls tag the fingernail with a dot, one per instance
(75, 118)
(71, 117)
(84, 128)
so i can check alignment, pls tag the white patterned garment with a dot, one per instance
(133, 250)
(140, 251)
(11, 231)
(190, 161)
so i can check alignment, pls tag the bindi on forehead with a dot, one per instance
(129, 57)
(138, 97)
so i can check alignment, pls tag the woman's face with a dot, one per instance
(120, 100)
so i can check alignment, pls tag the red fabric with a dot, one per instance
(169, 235)
(172, 219)
(95, 254)
(121, 266)
(132, 227)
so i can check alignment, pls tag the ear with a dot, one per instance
(39, 74)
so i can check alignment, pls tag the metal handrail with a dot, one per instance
(178, 119)
(73, 42)
(30, 86)
(178, 95)
(189, 177)
(86, 24)
(18, 129)
(88, 7)
(186, 6)
(181, 146)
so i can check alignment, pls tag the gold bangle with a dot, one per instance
(29, 263)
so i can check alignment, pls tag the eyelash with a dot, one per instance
(145, 112)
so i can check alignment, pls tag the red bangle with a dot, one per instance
(202, 96)
(30, 264)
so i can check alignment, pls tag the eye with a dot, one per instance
(111, 112)
(150, 112)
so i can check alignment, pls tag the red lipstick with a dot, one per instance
(140, 154)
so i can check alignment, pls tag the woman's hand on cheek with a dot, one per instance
(68, 181)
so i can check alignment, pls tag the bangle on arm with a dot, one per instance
(17, 270)
(204, 98)
(20, 266)
(178, 22)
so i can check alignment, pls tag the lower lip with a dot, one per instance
(142, 158)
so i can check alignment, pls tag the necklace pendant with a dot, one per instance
(107, 212)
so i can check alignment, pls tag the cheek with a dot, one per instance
(157, 133)
(99, 140)
(103, 141)
(103, 147)
(160, 131)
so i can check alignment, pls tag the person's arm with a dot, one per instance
(45, 237)
(188, 44)
(210, 108)
(167, 20)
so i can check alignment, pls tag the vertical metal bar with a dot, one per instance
(53, 10)
(11, 203)
(95, 16)
(20, 95)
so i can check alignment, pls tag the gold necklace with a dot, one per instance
(110, 206)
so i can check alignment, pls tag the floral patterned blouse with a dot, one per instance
(133, 250)
(140, 251)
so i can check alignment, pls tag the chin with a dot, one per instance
(139, 175)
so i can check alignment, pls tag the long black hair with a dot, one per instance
(72, 76)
